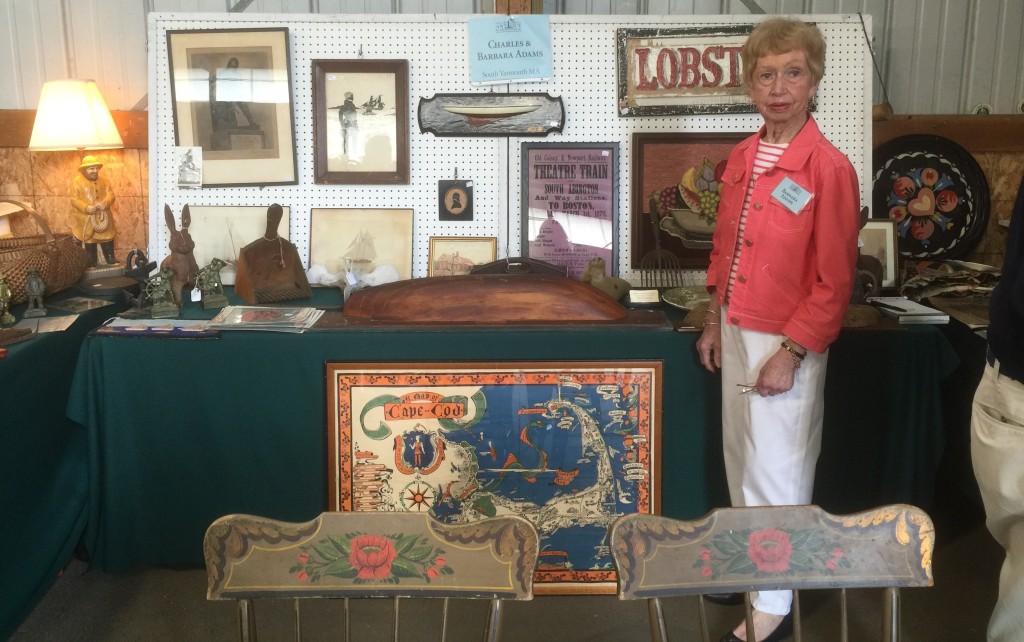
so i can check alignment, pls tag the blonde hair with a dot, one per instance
(782, 35)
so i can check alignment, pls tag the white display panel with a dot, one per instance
(584, 55)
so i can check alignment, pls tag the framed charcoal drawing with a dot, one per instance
(452, 255)
(570, 204)
(361, 121)
(231, 96)
(674, 194)
(490, 114)
(568, 445)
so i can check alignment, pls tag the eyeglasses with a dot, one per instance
(747, 387)
(790, 76)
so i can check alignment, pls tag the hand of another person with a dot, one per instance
(776, 376)
(709, 347)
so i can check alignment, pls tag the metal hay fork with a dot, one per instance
(659, 268)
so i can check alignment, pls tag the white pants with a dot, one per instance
(771, 444)
(997, 450)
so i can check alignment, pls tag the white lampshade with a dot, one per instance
(73, 115)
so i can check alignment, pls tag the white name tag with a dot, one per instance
(793, 197)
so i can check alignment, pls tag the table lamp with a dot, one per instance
(72, 115)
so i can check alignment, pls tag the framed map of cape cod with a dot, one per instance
(568, 445)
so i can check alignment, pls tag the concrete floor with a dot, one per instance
(169, 604)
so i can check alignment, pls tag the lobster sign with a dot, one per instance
(681, 71)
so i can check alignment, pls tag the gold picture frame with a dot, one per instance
(568, 445)
(453, 255)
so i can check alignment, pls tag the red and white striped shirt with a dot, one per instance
(766, 157)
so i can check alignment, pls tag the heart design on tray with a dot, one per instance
(923, 204)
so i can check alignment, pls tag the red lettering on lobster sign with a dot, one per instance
(643, 82)
(687, 67)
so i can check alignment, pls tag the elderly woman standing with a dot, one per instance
(781, 273)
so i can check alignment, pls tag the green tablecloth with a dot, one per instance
(183, 431)
(43, 455)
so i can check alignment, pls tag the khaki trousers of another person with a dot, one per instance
(771, 444)
(997, 450)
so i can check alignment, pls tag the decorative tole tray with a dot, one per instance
(484, 299)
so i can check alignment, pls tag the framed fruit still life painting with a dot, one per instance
(675, 189)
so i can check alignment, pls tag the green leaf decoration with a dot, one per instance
(402, 568)
(404, 543)
(340, 568)
(341, 544)
(420, 553)
(326, 550)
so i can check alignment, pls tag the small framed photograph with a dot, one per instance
(451, 255)
(231, 95)
(570, 204)
(362, 241)
(361, 121)
(878, 242)
(221, 231)
(674, 195)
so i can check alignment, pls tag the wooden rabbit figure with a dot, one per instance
(181, 259)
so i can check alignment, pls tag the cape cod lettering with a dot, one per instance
(680, 71)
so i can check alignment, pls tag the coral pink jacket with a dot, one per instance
(795, 272)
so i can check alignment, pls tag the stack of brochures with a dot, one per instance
(906, 311)
(252, 317)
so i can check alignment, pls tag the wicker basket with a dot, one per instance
(60, 258)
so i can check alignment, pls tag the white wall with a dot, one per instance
(936, 56)
(583, 50)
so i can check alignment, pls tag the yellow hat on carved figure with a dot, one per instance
(90, 161)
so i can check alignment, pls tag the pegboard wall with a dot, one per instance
(583, 59)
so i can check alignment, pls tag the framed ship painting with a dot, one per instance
(568, 445)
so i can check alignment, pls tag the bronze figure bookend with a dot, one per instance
(210, 285)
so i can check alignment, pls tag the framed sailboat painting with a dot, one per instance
(360, 242)
(569, 446)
